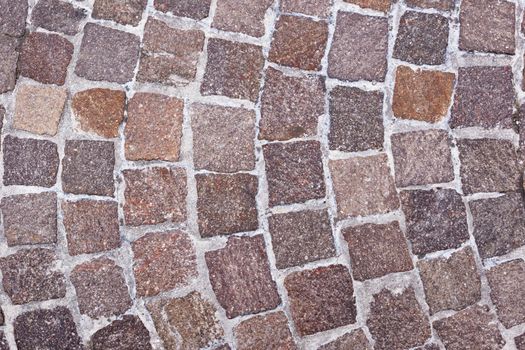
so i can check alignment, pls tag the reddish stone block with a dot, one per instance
(57, 16)
(196, 9)
(246, 17)
(265, 332)
(124, 334)
(444, 5)
(378, 5)
(123, 12)
(353, 340)
(9, 52)
(319, 8)
(13, 21)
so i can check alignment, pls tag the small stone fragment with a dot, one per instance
(196, 9)
(444, 5)
(318, 8)
(14, 14)
(378, 5)
(127, 333)
(123, 12)
(245, 17)
(265, 332)
(354, 340)
(57, 16)
(4, 345)
(9, 54)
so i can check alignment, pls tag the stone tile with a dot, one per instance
(87, 167)
(30, 218)
(359, 48)
(163, 261)
(91, 226)
(188, 322)
(107, 54)
(9, 52)
(507, 291)
(422, 157)
(319, 8)
(30, 162)
(444, 5)
(57, 16)
(154, 127)
(487, 26)
(31, 275)
(245, 17)
(301, 237)
(520, 342)
(226, 204)
(169, 55)
(233, 70)
(265, 332)
(422, 38)
(397, 321)
(299, 42)
(363, 186)
(472, 328)
(353, 340)
(240, 277)
(377, 250)
(196, 9)
(223, 138)
(499, 224)
(291, 106)
(378, 5)
(422, 95)
(101, 290)
(321, 299)
(124, 334)
(484, 97)
(451, 283)
(39, 108)
(99, 110)
(294, 172)
(13, 23)
(356, 119)
(430, 346)
(123, 12)
(435, 219)
(47, 329)
(154, 195)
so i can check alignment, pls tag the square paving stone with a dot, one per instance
(321, 299)
(444, 5)
(246, 17)
(154, 127)
(520, 342)
(196, 9)
(223, 138)
(487, 26)
(422, 157)
(363, 186)
(270, 331)
(472, 328)
(359, 48)
(356, 119)
(488, 165)
(397, 321)
(9, 52)
(484, 97)
(91, 226)
(107, 54)
(353, 340)
(301, 237)
(13, 21)
(124, 334)
(31, 275)
(240, 277)
(30, 218)
(100, 288)
(422, 95)
(377, 250)
(45, 57)
(47, 329)
(154, 195)
(294, 172)
(30, 162)
(318, 8)
(87, 167)
(435, 219)
(378, 5)
(169, 55)
(123, 12)
(100, 111)
(226, 204)
(499, 224)
(299, 42)
(57, 16)
(163, 261)
(39, 108)
(451, 283)
(187, 322)
(507, 291)
(291, 106)
(233, 70)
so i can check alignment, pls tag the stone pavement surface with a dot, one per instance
(262, 174)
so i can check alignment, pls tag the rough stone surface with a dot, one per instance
(444, 5)
(9, 53)
(363, 186)
(39, 108)
(4, 345)
(240, 277)
(354, 340)
(520, 342)
(223, 138)
(57, 16)
(319, 8)
(245, 17)
(123, 12)
(422, 95)
(196, 9)
(378, 5)
(265, 332)
(30, 218)
(124, 334)
(356, 119)
(14, 14)
(377, 250)
(291, 106)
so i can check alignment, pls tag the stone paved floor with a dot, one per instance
(262, 174)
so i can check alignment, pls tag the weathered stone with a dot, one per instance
(520, 342)
(444, 5)
(123, 12)
(4, 345)
(57, 16)
(246, 17)
(265, 332)
(9, 54)
(196, 9)
(319, 8)
(127, 333)
(354, 340)
(14, 14)
(379, 5)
